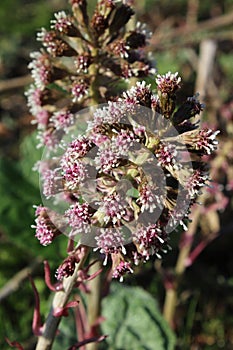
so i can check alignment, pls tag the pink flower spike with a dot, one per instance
(53, 287)
(14, 344)
(63, 311)
(36, 323)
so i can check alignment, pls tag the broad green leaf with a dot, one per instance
(134, 322)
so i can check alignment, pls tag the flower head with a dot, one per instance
(79, 218)
(67, 268)
(46, 231)
(168, 83)
(111, 175)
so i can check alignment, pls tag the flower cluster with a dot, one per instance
(80, 58)
(46, 231)
(114, 174)
(122, 175)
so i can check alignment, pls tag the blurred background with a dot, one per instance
(192, 37)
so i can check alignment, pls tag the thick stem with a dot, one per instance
(94, 298)
(45, 341)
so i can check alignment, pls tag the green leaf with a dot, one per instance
(133, 321)
(30, 154)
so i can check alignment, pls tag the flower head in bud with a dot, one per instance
(67, 268)
(61, 23)
(48, 138)
(74, 48)
(79, 90)
(79, 218)
(120, 270)
(52, 183)
(120, 48)
(110, 241)
(82, 63)
(166, 155)
(168, 83)
(40, 69)
(45, 229)
(62, 119)
(107, 157)
(203, 141)
(150, 240)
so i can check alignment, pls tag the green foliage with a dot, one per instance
(67, 333)
(133, 321)
(20, 17)
(17, 197)
(19, 191)
(30, 155)
(226, 64)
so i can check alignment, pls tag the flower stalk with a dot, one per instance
(50, 327)
(124, 180)
(171, 295)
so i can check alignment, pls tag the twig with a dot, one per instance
(205, 66)
(60, 299)
(15, 83)
(14, 283)
(210, 24)
(192, 33)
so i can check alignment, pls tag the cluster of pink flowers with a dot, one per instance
(119, 215)
(129, 177)
(80, 54)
